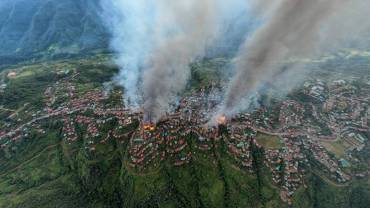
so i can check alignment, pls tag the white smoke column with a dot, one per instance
(189, 26)
(292, 29)
(131, 22)
(156, 40)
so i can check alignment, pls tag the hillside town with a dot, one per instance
(306, 131)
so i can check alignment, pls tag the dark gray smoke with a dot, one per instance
(168, 69)
(155, 40)
(292, 29)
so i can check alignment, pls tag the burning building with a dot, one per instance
(149, 127)
(147, 130)
(221, 120)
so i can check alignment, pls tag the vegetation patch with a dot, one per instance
(335, 147)
(269, 141)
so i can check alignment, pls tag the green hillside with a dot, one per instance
(46, 172)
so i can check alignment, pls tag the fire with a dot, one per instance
(149, 127)
(221, 120)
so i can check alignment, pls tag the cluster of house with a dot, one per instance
(289, 164)
(284, 166)
(291, 114)
(346, 112)
(156, 143)
(316, 89)
(60, 89)
(20, 132)
(355, 139)
(62, 103)
(159, 142)
(331, 164)
(239, 146)
(168, 139)
(69, 131)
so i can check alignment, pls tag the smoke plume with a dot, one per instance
(155, 42)
(130, 23)
(291, 29)
(168, 69)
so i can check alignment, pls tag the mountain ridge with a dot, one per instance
(33, 29)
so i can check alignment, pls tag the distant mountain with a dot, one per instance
(38, 28)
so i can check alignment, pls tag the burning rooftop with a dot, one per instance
(149, 127)
(221, 120)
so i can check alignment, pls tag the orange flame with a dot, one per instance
(221, 120)
(149, 127)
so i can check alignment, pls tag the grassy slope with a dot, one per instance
(269, 141)
(322, 194)
(48, 178)
(209, 181)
